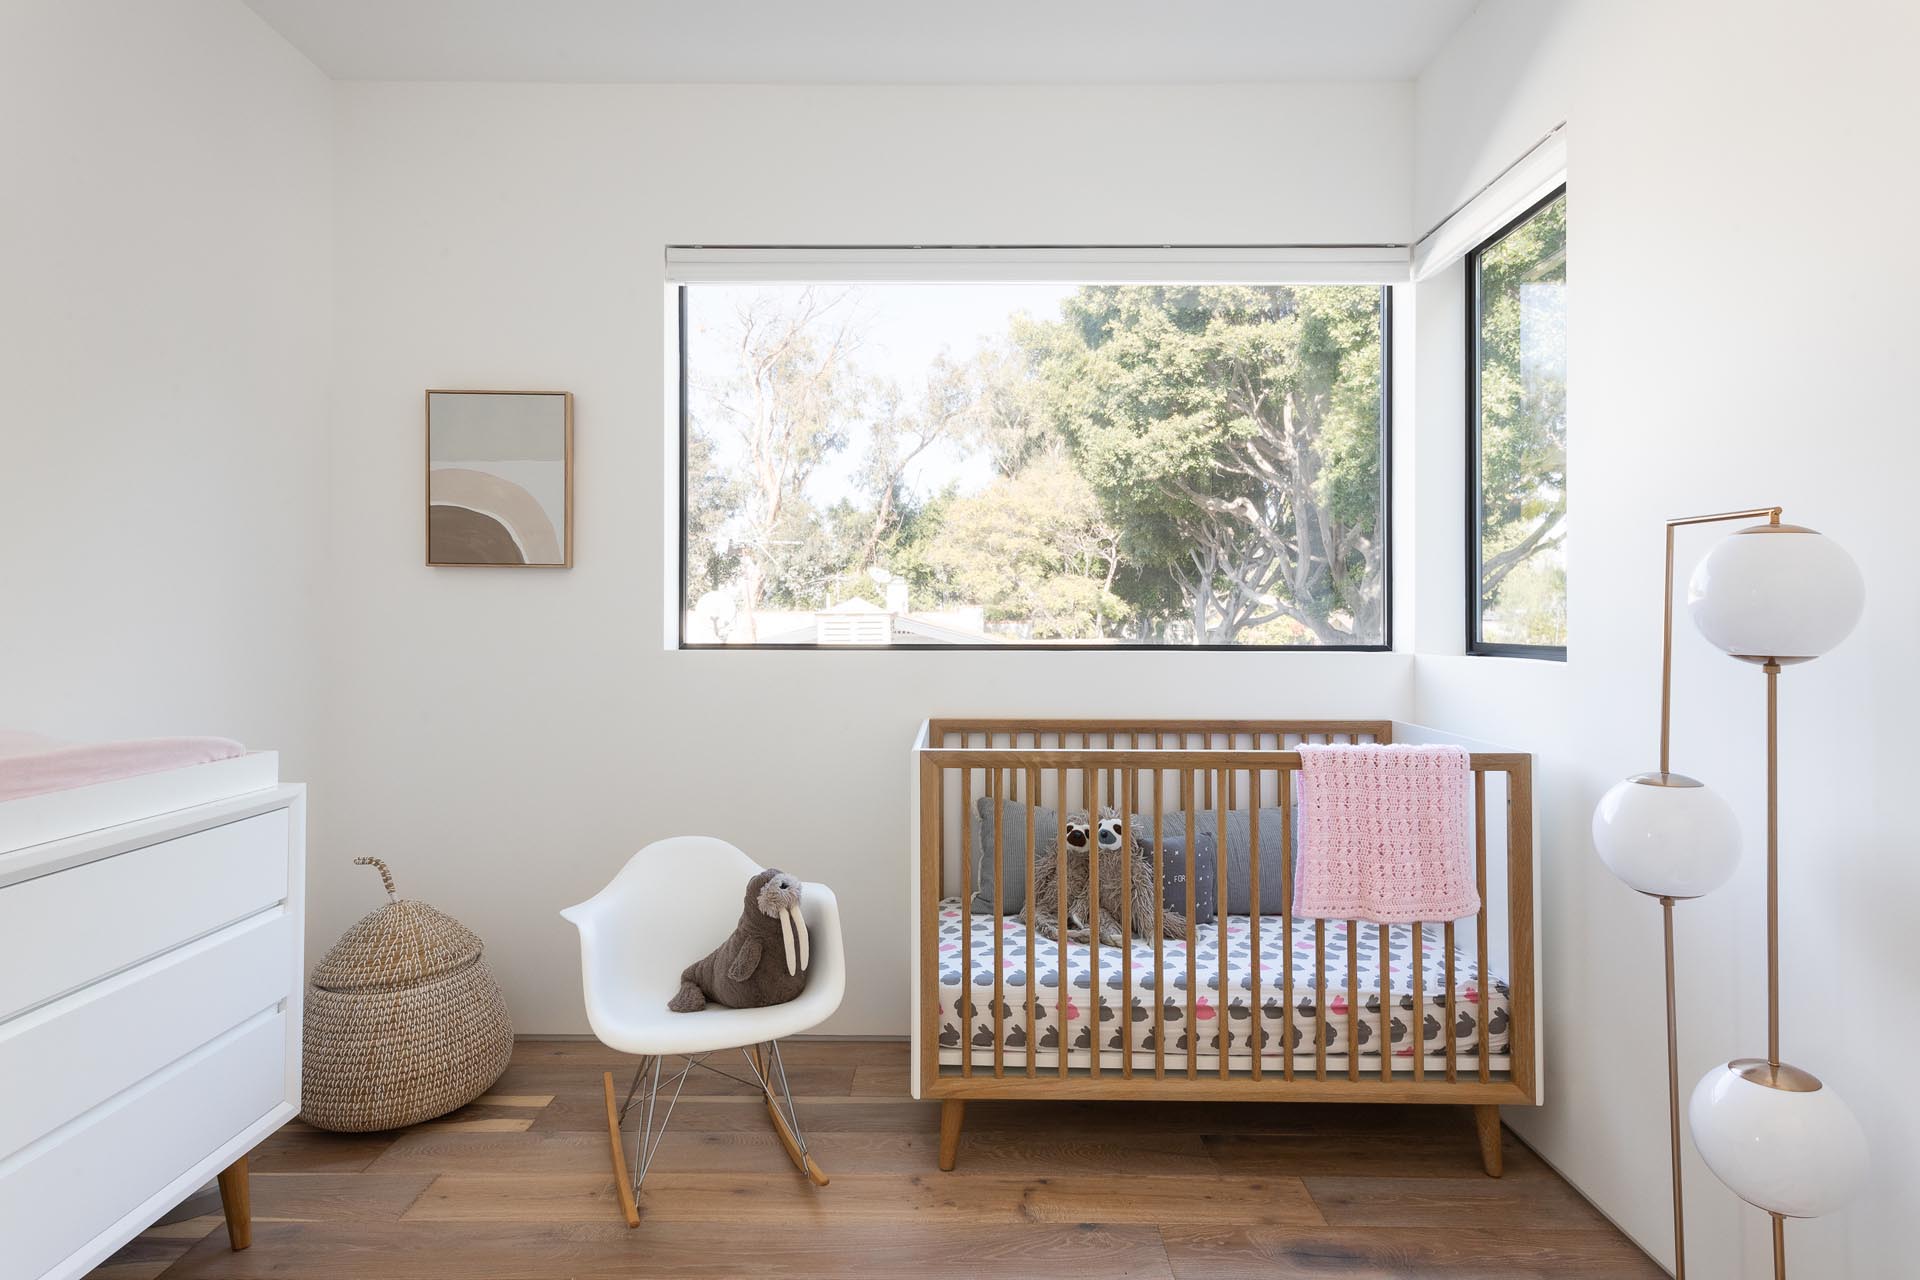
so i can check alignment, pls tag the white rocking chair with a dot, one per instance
(674, 901)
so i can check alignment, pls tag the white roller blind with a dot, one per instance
(1520, 186)
(1131, 264)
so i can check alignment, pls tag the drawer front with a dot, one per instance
(63, 1191)
(67, 1057)
(64, 930)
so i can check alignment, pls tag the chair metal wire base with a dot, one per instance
(650, 1082)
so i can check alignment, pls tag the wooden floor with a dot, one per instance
(520, 1185)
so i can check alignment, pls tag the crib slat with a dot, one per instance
(996, 787)
(1060, 938)
(1285, 780)
(1320, 1000)
(1126, 924)
(1093, 932)
(1222, 971)
(1159, 925)
(1253, 905)
(1480, 921)
(1193, 1022)
(966, 918)
(1033, 982)
(1453, 1051)
(1353, 1000)
(1419, 1027)
(1386, 1005)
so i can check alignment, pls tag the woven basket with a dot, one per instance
(404, 1021)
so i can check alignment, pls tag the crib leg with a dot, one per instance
(1487, 1121)
(952, 1112)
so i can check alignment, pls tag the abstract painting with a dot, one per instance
(500, 478)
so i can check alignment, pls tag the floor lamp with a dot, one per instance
(1772, 594)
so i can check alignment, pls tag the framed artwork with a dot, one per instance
(500, 478)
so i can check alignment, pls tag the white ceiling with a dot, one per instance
(868, 41)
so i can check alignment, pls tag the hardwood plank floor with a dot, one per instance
(519, 1185)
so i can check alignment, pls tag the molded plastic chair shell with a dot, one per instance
(673, 902)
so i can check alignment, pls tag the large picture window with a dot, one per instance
(1517, 421)
(1034, 464)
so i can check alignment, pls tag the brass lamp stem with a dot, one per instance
(1773, 864)
(1772, 515)
(1666, 630)
(1673, 1103)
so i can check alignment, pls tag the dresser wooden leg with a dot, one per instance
(236, 1202)
(953, 1112)
(1487, 1121)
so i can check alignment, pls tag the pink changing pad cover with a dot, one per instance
(32, 765)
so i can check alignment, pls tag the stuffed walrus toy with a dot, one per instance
(759, 964)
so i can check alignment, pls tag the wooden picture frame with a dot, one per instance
(499, 479)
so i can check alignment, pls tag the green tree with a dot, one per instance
(896, 437)
(1232, 434)
(1523, 429)
(712, 497)
(788, 397)
(1036, 551)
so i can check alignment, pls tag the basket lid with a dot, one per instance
(396, 945)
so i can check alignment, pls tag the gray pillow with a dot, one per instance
(1013, 853)
(1173, 876)
(1238, 861)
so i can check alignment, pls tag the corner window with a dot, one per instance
(1021, 464)
(1517, 430)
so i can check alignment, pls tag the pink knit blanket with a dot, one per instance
(1385, 834)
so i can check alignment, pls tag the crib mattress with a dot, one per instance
(1213, 1014)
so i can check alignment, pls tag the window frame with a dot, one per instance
(1476, 647)
(1385, 644)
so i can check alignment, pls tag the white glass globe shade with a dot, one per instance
(1666, 835)
(1790, 1152)
(1776, 592)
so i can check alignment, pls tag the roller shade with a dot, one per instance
(1518, 188)
(957, 264)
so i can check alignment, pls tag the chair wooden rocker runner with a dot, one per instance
(668, 906)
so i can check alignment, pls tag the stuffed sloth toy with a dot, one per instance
(763, 962)
(1071, 859)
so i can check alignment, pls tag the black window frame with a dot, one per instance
(1386, 523)
(1476, 647)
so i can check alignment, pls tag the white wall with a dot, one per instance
(165, 259)
(507, 738)
(1738, 337)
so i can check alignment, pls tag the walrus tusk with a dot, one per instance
(786, 936)
(800, 927)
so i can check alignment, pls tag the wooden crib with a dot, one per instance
(1291, 1036)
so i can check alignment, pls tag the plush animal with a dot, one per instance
(763, 962)
(1072, 857)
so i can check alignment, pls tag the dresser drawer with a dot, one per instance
(63, 930)
(59, 1194)
(71, 1055)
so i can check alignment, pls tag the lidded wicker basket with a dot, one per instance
(404, 1020)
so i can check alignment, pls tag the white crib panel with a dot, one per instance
(64, 1190)
(62, 930)
(67, 1057)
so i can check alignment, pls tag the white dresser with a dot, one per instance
(150, 984)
